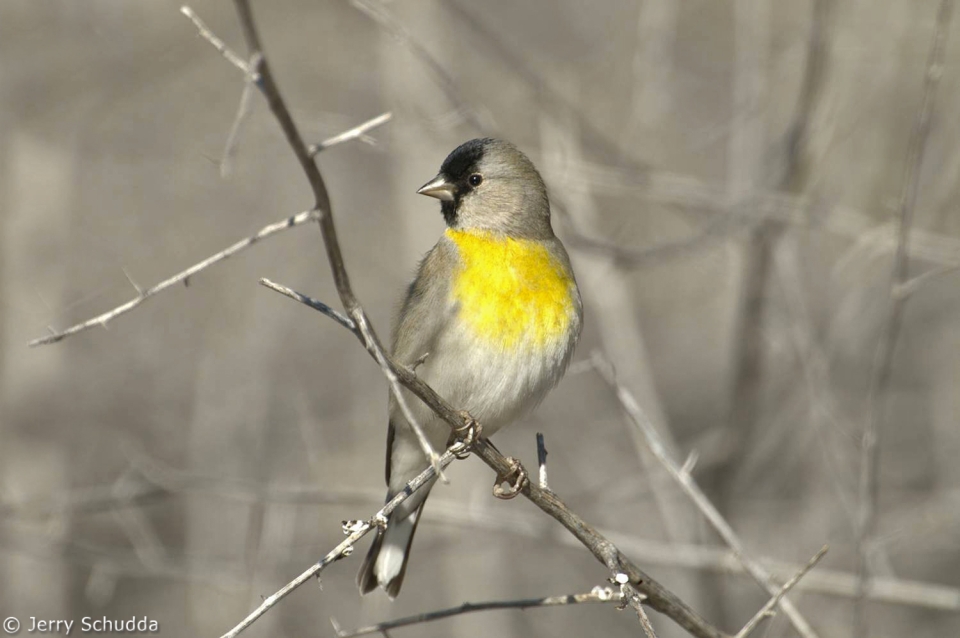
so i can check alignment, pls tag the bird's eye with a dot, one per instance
(475, 180)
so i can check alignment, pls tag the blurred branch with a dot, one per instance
(767, 610)
(904, 289)
(357, 132)
(715, 230)
(356, 531)
(869, 492)
(691, 193)
(610, 292)
(379, 13)
(598, 595)
(689, 486)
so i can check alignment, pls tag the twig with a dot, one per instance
(645, 622)
(767, 610)
(869, 491)
(219, 44)
(357, 530)
(686, 482)
(183, 276)
(542, 460)
(598, 595)
(357, 132)
(336, 315)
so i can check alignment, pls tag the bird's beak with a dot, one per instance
(440, 188)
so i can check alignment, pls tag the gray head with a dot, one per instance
(488, 184)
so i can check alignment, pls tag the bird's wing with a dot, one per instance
(425, 312)
(427, 306)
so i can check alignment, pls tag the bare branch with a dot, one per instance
(645, 621)
(598, 595)
(356, 530)
(181, 277)
(686, 482)
(218, 44)
(767, 610)
(869, 492)
(336, 315)
(357, 132)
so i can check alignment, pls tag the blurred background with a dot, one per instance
(726, 175)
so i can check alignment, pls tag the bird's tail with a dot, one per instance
(386, 562)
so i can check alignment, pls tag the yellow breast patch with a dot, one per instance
(511, 290)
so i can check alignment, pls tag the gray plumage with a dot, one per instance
(484, 185)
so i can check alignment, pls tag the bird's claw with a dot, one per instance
(516, 477)
(467, 435)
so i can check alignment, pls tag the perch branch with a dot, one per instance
(623, 570)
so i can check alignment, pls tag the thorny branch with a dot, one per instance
(181, 277)
(184, 276)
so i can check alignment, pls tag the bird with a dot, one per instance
(490, 322)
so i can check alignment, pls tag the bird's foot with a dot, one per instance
(467, 435)
(516, 477)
